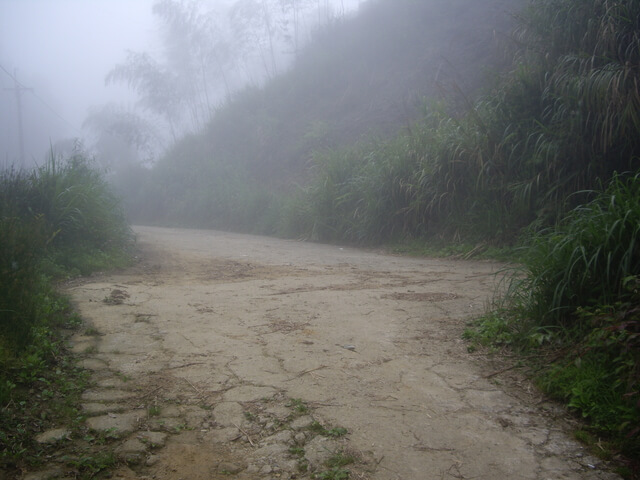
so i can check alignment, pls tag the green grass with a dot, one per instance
(298, 405)
(57, 221)
(320, 429)
(43, 386)
(335, 465)
(573, 309)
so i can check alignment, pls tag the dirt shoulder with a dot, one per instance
(232, 356)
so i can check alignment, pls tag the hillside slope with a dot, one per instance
(367, 74)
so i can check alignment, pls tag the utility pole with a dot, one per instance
(19, 89)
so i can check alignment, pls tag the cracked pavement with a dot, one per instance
(219, 332)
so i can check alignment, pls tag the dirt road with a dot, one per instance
(227, 356)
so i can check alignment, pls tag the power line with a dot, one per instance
(20, 86)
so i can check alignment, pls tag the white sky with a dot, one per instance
(63, 49)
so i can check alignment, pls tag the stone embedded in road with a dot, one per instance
(132, 451)
(106, 395)
(98, 408)
(229, 413)
(115, 423)
(318, 451)
(153, 439)
(284, 436)
(94, 364)
(53, 436)
(301, 423)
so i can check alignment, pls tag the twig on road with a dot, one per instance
(244, 433)
(502, 370)
(298, 375)
(151, 392)
(185, 365)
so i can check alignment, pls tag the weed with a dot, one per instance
(181, 427)
(335, 473)
(298, 405)
(90, 465)
(335, 463)
(303, 466)
(122, 376)
(340, 459)
(492, 329)
(297, 451)
(335, 432)
(154, 411)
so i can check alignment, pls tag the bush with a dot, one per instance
(49, 218)
(576, 300)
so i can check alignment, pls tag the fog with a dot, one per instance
(58, 53)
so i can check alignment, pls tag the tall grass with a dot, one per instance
(565, 118)
(588, 260)
(576, 299)
(52, 219)
(60, 219)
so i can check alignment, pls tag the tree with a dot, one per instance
(122, 137)
(157, 86)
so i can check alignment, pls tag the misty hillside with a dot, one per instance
(363, 75)
(379, 132)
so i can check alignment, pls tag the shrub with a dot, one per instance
(576, 301)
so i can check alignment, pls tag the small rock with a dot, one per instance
(300, 438)
(53, 436)
(301, 423)
(167, 424)
(284, 436)
(93, 364)
(81, 347)
(229, 413)
(318, 451)
(278, 411)
(116, 423)
(153, 439)
(271, 451)
(106, 395)
(96, 408)
(111, 382)
(151, 460)
(132, 445)
(229, 468)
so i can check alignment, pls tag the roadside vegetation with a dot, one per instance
(56, 222)
(572, 310)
